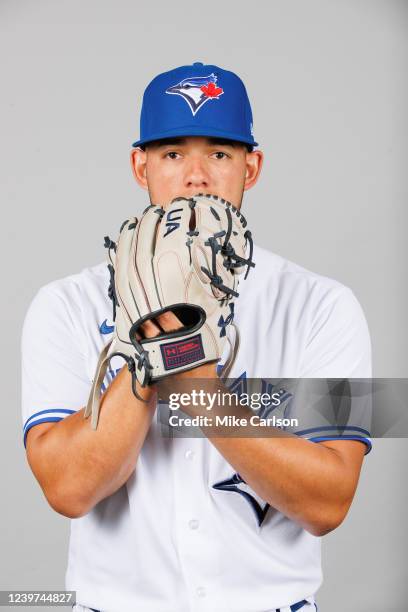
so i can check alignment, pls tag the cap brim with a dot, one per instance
(195, 131)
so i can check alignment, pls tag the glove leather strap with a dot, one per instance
(94, 400)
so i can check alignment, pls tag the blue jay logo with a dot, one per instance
(196, 91)
(236, 483)
(233, 484)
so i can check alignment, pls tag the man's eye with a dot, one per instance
(220, 155)
(172, 155)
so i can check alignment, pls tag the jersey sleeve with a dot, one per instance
(339, 347)
(54, 381)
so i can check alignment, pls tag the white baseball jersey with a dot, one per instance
(169, 540)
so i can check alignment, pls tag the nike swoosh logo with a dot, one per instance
(105, 328)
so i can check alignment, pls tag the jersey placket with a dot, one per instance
(195, 531)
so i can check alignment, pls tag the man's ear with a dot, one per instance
(254, 161)
(138, 159)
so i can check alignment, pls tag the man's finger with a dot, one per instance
(169, 322)
(166, 322)
(150, 329)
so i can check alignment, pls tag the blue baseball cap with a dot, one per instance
(196, 100)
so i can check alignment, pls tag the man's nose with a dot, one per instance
(196, 175)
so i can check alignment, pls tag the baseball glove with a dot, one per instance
(185, 259)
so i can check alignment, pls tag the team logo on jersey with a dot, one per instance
(172, 221)
(238, 485)
(196, 91)
(104, 328)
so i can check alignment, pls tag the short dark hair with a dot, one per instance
(214, 140)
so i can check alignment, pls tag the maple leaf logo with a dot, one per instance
(211, 90)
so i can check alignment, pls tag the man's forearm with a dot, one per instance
(308, 482)
(77, 466)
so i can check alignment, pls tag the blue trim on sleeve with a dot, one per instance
(365, 441)
(49, 420)
(298, 605)
(333, 428)
(66, 410)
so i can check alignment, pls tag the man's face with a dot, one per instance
(187, 166)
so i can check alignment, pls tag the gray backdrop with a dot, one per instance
(327, 81)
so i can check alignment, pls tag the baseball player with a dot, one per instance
(184, 524)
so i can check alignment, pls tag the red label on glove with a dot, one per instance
(183, 352)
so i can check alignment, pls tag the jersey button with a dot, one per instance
(194, 524)
(189, 455)
(200, 592)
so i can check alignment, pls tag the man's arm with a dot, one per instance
(77, 466)
(311, 483)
